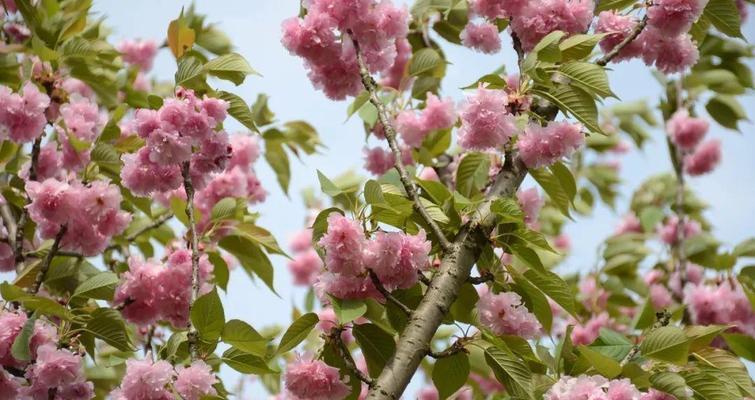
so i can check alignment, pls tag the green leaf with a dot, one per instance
(604, 365)
(190, 73)
(224, 209)
(724, 15)
(327, 186)
(450, 374)
(510, 371)
(238, 109)
(100, 286)
(425, 60)
(472, 173)
(108, 325)
(588, 76)
(726, 110)
(251, 257)
(579, 46)
(297, 332)
(262, 114)
(612, 344)
(730, 365)
(231, 67)
(377, 346)
(277, 158)
(554, 287)
(650, 217)
(220, 271)
(508, 210)
(348, 310)
(547, 49)
(357, 104)
(242, 336)
(554, 187)
(710, 384)
(246, 363)
(604, 5)
(666, 343)
(490, 81)
(20, 349)
(745, 248)
(208, 317)
(535, 300)
(320, 226)
(741, 344)
(575, 102)
(670, 382)
(701, 336)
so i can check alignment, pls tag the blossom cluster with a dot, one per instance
(723, 304)
(505, 314)
(483, 37)
(394, 257)
(307, 379)
(172, 133)
(322, 39)
(306, 264)
(379, 160)
(540, 146)
(438, 114)
(486, 122)
(145, 379)
(151, 291)
(687, 133)
(22, 115)
(90, 214)
(593, 387)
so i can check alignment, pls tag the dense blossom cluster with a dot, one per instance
(394, 257)
(505, 314)
(322, 38)
(91, 213)
(593, 387)
(183, 130)
(486, 123)
(531, 202)
(11, 323)
(725, 303)
(306, 264)
(314, 380)
(379, 160)
(483, 37)
(687, 133)
(541, 146)
(147, 379)
(151, 291)
(437, 114)
(22, 115)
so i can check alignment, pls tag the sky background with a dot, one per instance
(254, 27)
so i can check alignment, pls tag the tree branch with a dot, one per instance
(603, 61)
(343, 352)
(194, 246)
(10, 223)
(388, 296)
(390, 134)
(48, 260)
(484, 277)
(456, 348)
(159, 221)
(35, 149)
(661, 319)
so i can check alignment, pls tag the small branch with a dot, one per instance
(10, 223)
(661, 319)
(424, 279)
(456, 348)
(603, 61)
(517, 44)
(148, 340)
(35, 149)
(48, 260)
(194, 246)
(484, 277)
(155, 224)
(388, 296)
(390, 134)
(343, 352)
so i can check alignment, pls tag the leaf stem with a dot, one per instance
(343, 352)
(388, 296)
(603, 61)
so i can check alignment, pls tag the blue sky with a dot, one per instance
(254, 26)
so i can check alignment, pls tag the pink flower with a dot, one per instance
(378, 160)
(245, 151)
(694, 274)
(11, 324)
(493, 9)
(175, 283)
(395, 74)
(542, 146)
(140, 53)
(505, 314)
(438, 113)
(305, 267)
(168, 147)
(300, 241)
(328, 321)
(428, 393)
(685, 131)
(396, 258)
(595, 387)
(705, 159)
(531, 203)
(670, 54)
(22, 116)
(314, 380)
(594, 297)
(618, 27)
(429, 174)
(629, 224)
(143, 176)
(587, 333)
(541, 17)
(675, 17)
(345, 287)
(7, 258)
(145, 380)
(344, 243)
(51, 201)
(562, 242)
(82, 119)
(195, 381)
(724, 304)
(668, 234)
(622, 389)
(656, 395)
(482, 37)
(58, 370)
(138, 292)
(660, 297)
(49, 163)
(75, 86)
(10, 386)
(486, 123)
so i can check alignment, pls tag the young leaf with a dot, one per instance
(377, 346)
(297, 332)
(20, 348)
(242, 336)
(100, 286)
(348, 310)
(450, 374)
(108, 325)
(666, 343)
(208, 316)
(510, 371)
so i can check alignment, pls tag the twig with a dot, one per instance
(456, 348)
(35, 149)
(388, 296)
(484, 277)
(390, 134)
(10, 223)
(603, 61)
(661, 319)
(148, 340)
(155, 224)
(48, 260)
(424, 279)
(517, 44)
(343, 352)
(193, 336)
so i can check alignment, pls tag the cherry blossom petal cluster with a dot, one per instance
(314, 380)
(485, 121)
(538, 18)
(22, 115)
(11, 323)
(482, 37)
(505, 314)
(145, 379)
(722, 304)
(437, 114)
(195, 381)
(541, 146)
(58, 371)
(596, 387)
(667, 231)
(140, 53)
(531, 202)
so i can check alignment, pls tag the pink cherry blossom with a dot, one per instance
(346, 286)
(653, 394)
(482, 37)
(138, 291)
(542, 146)
(82, 119)
(587, 333)
(245, 151)
(195, 381)
(175, 283)
(10, 386)
(618, 28)
(314, 380)
(505, 314)
(437, 114)
(670, 54)
(429, 174)
(60, 371)
(704, 159)
(723, 304)
(668, 234)
(22, 115)
(685, 131)
(396, 258)
(531, 202)
(660, 297)
(143, 177)
(305, 267)
(493, 9)
(344, 243)
(486, 123)
(674, 17)
(300, 241)
(378, 160)
(145, 379)
(629, 223)
(394, 76)
(541, 17)
(140, 53)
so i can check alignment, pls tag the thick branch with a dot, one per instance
(603, 61)
(155, 224)
(194, 246)
(343, 352)
(390, 134)
(388, 296)
(414, 343)
(48, 260)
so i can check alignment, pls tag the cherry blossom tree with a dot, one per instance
(125, 202)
